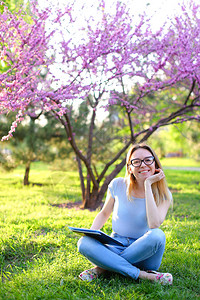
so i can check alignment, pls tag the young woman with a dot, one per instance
(139, 204)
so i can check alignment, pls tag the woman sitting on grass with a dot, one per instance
(139, 203)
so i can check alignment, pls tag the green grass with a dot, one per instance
(38, 254)
(180, 162)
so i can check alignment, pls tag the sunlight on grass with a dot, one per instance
(179, 162)
(39, 258)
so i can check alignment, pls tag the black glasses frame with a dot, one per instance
(142, 161)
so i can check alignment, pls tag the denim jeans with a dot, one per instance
(144, 253)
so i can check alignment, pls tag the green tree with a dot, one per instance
(32, 141)
(180, 139)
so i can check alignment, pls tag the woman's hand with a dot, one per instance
(159, 174)
(155, 214)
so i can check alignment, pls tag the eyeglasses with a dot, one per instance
(147, 160)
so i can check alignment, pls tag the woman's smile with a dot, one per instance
(143, 171)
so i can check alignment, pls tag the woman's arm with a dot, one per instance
(155, 214)
(104, 214)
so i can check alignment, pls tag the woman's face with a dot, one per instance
(144, 171)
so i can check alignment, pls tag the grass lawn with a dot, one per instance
(180, 162)
(38, 254)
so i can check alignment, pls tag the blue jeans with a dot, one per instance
(144, 253)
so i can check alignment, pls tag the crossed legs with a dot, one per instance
(144, 253)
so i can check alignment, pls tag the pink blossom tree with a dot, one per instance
(106, 61)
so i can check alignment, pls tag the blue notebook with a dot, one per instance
(96, 234)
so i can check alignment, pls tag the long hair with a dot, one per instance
(159, 189)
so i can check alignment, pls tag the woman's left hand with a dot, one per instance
(159, 174)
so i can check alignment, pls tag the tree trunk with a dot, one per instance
(96, 196)
(81, 177)
(90, 202)
(26, 176)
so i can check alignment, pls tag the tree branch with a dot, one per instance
(166, 121)
(190, 92)
(67, 126)
(113, 160)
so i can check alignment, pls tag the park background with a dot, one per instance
(41, 196)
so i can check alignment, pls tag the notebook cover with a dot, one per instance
(96, 234)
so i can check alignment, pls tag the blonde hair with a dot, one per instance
(160, 190)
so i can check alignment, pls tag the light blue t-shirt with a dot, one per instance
(129, 216)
